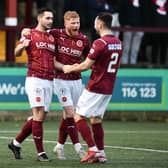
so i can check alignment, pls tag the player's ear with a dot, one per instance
(65, 23)
(101, 25)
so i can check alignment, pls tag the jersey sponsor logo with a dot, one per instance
(114, 47)
(69, 51)
(79, 43)
(45, 45)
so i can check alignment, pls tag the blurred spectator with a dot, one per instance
(94, 7)
(27, 12)
(130, 15)
(161, 6)
(2, 12)
(160, 40)
(81, 7)
(21, 11)
(56, 5)
(115, 23)
(145, 49)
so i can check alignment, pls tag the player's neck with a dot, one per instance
(40, 28)
(105, 32)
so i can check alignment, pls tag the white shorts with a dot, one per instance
(39, 92)
(92, 104)
(68, 91)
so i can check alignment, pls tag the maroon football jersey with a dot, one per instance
(41, 52)
(106, 52)
(70, 50)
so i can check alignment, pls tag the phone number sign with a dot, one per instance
(137, 90)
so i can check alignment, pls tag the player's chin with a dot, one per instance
(48, 26)
(75, 32)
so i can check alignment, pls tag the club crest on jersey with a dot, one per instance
(64, 99)
(79, 43)
(38, 99)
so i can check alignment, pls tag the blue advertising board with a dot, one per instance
(137, 90)
(132, 91)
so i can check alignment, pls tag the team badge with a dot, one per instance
(38, 99)
(64, 99)
(79, 43)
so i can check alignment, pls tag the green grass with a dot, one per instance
(128, 145)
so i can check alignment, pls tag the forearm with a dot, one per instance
(79, 67)
(19, 49)
(58, 65)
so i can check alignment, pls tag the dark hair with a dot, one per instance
(106, 18)
(45, 9)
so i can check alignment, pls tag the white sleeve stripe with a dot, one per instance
(103, 41)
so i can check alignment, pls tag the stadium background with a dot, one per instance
(140, 91)
(140, 97)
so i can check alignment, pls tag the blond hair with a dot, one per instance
(70, 14)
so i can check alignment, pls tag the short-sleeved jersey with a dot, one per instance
(70, 50)
(106, 52)
(41, 53)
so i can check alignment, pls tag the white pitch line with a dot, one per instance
(106, 146)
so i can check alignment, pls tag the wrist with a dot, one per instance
(21, 46)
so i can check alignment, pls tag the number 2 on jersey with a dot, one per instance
(114, 59)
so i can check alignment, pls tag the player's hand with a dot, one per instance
(24, 43)
(67, 68)
(25, 32)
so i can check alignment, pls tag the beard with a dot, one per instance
(73, 32)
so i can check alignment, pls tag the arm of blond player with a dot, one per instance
(58, 65)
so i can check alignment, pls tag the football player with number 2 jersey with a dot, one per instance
(104, 60)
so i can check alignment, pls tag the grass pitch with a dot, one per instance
(128, 145)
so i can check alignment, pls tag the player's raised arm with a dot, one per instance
(21, 46)
(23, 41)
